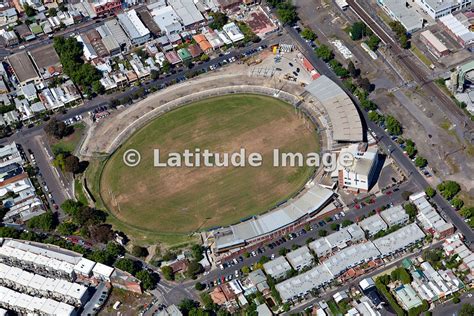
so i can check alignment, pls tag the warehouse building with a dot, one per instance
(398, 11)
(23, 68)
(439, 8)
(134, 27)
(434, 45)
(457, 30)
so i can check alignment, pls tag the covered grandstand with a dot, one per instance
(346, 122)
(306, 204)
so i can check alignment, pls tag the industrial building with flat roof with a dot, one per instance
(439, 8)
(23, 68)
(457, 30)
(343, 114)
(187, 11)
(434, 45)
(306, 204)
(277, 268)
(134, 27)
(398, 10)
(300, 258)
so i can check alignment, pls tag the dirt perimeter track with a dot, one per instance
(106, 136)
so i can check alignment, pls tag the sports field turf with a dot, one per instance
(181, 200)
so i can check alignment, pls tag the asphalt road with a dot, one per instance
(385, 141)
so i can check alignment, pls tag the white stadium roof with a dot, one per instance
(346, 122)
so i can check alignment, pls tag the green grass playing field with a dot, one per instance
(181, 200)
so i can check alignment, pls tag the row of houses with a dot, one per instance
(63, 279)
(348, 259)
(16, 189)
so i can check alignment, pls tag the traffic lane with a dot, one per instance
(49, 176)
(385, 139)
(450, 308)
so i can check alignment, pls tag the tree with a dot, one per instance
(138, 251)
(204, 57)
(449, 189)
(219, 19)
(29, 10)
(167, 273)
(154, 74)
(456, 300)
(147, 280)
(325, 53)
(245, 270)
(287, 12)
(411, 210)
(187, 305)
(101, 233)
(376, 117)
(72, 164)
(364, 83)
(457, 203)
(420, 162)
(194, 268)
(197, 251)
(97, 87)
(199, 286)
(128, 265)
(114, 249)
(57, 129)
(334, 226)
(308, 34)
(70, 207)
(52, 12)
(358, 31)
(467, 212)
(373, 42)
(166, 66)
(322, 233)
(466, 310)
(430, 192)
(346, 223)
(393, 126)
(66, 228)
(70, 53)
(46, 221)
(353, 71)
(283, 251)
(411, 151)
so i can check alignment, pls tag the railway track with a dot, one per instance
(411, 66)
